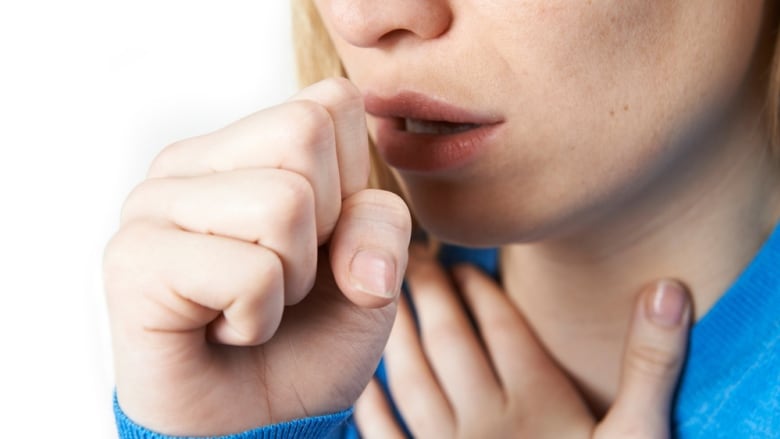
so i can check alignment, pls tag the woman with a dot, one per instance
(598, 144)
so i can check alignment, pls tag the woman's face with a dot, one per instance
(571, 108)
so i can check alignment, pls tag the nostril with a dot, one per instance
(364, 23)
(393, 36)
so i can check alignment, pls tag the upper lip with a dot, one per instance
(413, 105)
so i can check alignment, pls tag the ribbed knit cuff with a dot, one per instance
(314, 427)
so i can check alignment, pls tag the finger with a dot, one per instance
(189, 279)
(415, 389)
(373, 415)
(511, 345)
(654, 354)
(537, 389)
(270, 207)
(368, 249)
(297, 136)
(345, 105)
(452, 347)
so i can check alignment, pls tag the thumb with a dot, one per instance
(655, 352)
(369, 248)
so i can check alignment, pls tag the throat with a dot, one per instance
(580, 304)
(583, 326)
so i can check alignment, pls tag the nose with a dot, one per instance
(372, 23)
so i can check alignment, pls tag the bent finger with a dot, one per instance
(344, 102)
(192, 282)
(270, 207)
(369, 245)
(297, 136)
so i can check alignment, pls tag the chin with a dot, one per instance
(478, 225)
(493, 214)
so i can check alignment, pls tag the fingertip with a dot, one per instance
(370, 246)
(658, 339)
(667, 304)
(463, 271)
(469, 276)
(652, 361)
(374, 271)
(373, 277)
(419, 256)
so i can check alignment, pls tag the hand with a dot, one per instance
(253, 277)
(499, 382)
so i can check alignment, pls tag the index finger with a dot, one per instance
(344, 102)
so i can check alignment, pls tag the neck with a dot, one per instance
(701, 225)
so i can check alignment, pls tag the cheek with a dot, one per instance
(601, 109)
(619, 72)
(603, 97)
(604, 110)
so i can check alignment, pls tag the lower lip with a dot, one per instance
(431, 152)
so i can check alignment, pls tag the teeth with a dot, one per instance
(418, 126)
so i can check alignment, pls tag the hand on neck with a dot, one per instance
(700, 223)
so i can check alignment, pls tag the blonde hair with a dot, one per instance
(317, 59)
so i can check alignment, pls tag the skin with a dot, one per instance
(633, 148)
(221, 320)
(222, 235)
(505, 384)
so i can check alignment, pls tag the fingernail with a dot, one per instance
(668, 305)
(373, 271)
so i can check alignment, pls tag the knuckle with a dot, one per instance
(264, 289)
(384, 205)
(122, 255)
(342, 90)
(653, 361)
(295, 195)
(115, 253)
(266, 274)
(314, 126)
(132, 207)
(301, 276)
(162, 164)
(166, 163)
(394, 203)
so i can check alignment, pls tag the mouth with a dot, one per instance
(436, 127)
(421, 114)
(415, 132)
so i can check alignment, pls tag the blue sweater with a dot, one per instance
(729, 388)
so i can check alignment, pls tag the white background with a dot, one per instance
(90, 91)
